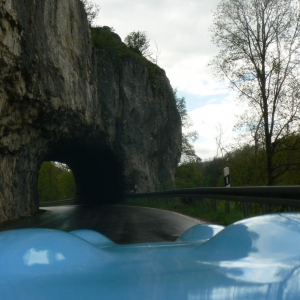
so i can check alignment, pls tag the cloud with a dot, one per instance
(179, 27)
(181, 30)
(208, 119)
(195, 78)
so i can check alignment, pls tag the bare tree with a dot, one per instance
(221, 150)
(156, 54)
(259, 42)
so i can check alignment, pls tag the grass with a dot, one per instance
(198, 210)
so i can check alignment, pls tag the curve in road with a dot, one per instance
(122, 224)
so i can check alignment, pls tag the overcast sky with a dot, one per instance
(181, 30)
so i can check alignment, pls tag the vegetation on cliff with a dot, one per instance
(139, 42)
(105, 39)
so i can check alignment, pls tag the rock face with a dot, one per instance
(112, 118)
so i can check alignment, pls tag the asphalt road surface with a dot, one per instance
(122, 224)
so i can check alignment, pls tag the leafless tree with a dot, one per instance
(259, 54)
(221, 150)
(156, 53)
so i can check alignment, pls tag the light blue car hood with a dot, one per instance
(257, 258)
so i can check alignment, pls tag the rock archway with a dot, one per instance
(110, 115)
(98, 172)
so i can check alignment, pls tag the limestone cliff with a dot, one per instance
(109, 115)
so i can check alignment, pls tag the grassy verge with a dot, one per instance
(198, 210)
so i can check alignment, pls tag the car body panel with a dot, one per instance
(256, 258)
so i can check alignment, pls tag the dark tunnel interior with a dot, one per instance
(97, 171)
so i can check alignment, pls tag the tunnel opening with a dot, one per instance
(98, 172)
(55, 182)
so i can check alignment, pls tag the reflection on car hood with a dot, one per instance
(257, 258)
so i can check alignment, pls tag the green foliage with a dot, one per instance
(106, 40)
(287, 160)
(246, 169)
(212, 172)
(164, 186)
(55, 182)
(187, 149)
(188, 176)
(204, 210)
(66, 185)
(195, 210)
(138, 42)
(48, 184)
(247, 165)
(181, 107)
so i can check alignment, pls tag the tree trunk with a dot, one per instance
(270, 175)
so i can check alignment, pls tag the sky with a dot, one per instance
(180, 29)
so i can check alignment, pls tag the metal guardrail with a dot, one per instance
(288, 196)
(57, 202)
(275, 195)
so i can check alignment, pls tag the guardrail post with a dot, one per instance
(214, 202)
(265, 208)
(227, 184)
(203, 204)
(246, 209)
(226, 177)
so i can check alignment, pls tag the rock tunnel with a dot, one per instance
(110, 115)
(97, 171)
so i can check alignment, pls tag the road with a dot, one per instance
(122, 224)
